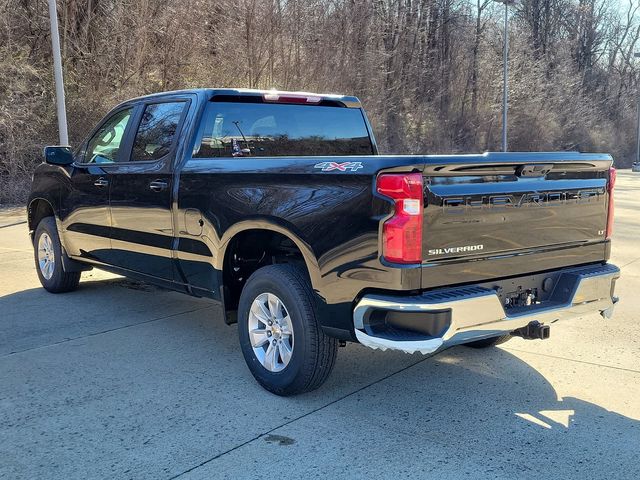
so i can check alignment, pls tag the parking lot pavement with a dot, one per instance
(123, 380)
(12, 216)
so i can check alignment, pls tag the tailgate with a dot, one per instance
(499, 205)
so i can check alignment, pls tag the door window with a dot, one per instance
(157, 131)
(104, 146)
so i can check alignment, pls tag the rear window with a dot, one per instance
(232, 129)
(157, 130)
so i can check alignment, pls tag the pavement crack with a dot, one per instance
(13, 224)
(289, 422)
(629, 263)
(102, 332)
(572, 360)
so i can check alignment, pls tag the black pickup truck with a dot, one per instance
(278, 206)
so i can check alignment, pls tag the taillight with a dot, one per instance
(402, 233)
(610, 185)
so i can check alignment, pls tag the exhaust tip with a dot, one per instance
(608, 313)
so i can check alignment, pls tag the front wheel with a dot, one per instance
(281, 339)
(48, 256)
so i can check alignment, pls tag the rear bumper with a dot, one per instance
(464, 314)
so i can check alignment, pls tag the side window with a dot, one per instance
(157, 130)
(104, 146)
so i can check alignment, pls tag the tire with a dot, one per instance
(46, 243)
(488, 342)
(311, 354)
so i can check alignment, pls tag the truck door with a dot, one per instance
(85, 210)
(140, 191)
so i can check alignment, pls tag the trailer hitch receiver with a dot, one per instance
(533, 331)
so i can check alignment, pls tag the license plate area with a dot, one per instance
(527, 291)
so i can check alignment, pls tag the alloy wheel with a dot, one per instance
(271, 332)
(46, 256)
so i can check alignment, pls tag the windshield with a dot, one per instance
(230, 129)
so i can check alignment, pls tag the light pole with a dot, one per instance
(637, 55)
(57, 73)
(505, 81)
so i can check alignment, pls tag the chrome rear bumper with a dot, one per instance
(476, 312)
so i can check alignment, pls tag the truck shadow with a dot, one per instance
(488, 401)
(495, 407)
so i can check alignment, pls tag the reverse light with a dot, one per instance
(611, 183)
(402, 233)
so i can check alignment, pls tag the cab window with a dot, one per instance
(104, 146)
(157, 131)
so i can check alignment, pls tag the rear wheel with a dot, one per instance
(48, 257)
(489, 342)
(281, 340)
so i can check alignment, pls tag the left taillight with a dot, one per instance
(402, 233)
(611, 183)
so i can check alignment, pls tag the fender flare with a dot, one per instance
(30, 204)
(308, 255)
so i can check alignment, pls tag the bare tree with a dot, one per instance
(428, 71)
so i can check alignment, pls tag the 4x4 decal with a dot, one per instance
(342, 167)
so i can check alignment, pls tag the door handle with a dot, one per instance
(101, 182)
(158, 185)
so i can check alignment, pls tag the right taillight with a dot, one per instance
(611, 183)
(402, 233)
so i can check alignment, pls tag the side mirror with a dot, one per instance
(58, 155)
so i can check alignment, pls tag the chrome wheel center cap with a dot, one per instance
(276, 331)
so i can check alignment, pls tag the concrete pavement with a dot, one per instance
(123, 380)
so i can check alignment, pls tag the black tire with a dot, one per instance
(314, 353)
(489, 342)
(60, 281)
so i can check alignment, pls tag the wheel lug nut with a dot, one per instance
(268, 334)
(270, 323)
(274, 342)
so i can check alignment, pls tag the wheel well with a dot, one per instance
(38, 209)
(247, 252)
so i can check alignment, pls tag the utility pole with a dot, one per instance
(637, 55)
(505, 73)
(57, 73)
